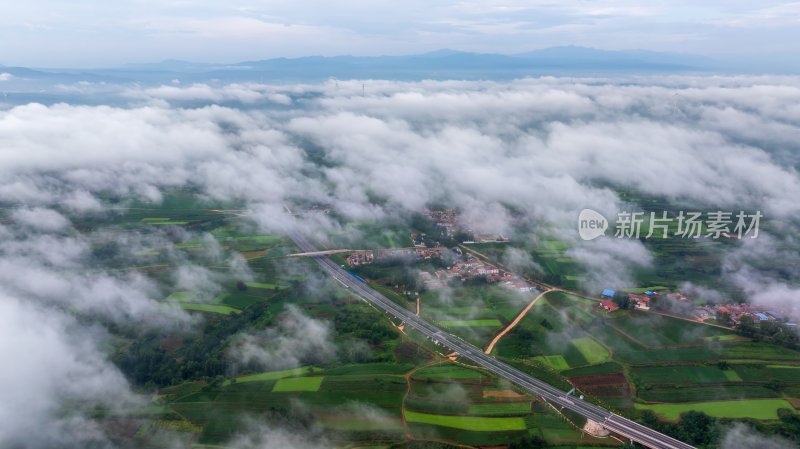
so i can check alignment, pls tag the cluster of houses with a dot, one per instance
(446, 219)
(737, 311)
(703, 313)
(639, 301)
(367, 257)
(471, 268)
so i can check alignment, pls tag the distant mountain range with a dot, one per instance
(448, 60)
(440, 64)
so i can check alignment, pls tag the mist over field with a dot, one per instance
(510, 156)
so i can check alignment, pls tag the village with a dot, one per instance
(724, 313)
(466, 268)
(469, 268)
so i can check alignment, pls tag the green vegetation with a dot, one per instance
(211, 308)
(500, 409)
(473, 423)
(557, 362)
(591, 350)
(297, 384)
(351, 423)
(475, 323)
(649, 367)
(274, 375)
(751, 408)
(182, 296)
(262, 285)
(448, 372)
(684, 374)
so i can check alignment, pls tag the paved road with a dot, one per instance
(637, 432)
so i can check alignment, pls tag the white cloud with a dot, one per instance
(296, 340)
(52, 361)
(41, 219)
(741, 436)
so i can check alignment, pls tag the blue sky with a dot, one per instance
(91, 33)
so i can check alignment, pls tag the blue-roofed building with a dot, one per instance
(762, 316)
(777, 315)
(649, 293)
(608, 293)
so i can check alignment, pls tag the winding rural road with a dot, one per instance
(615, 423)
(516, 321)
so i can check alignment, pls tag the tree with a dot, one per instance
(622, 302)
(700, 429)
(531, 442)
(747, 326)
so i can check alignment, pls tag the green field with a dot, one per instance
(262, 285)
(603, 368)
(211, 308)
(591, 350)
(730, 337)
(557, 362)
(448, 372)
(695, 393)
(500, 409)
(182, 296)
(369, 368)
(298, 384)
(752, 408)
(732, 376)
(473, 423)
(162, 221)
(358, 423)
(274, 375)
(684, 374)
(472, 323)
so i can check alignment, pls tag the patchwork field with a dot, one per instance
(471, 323)
(557, 362)
(448, 372)
(630, 361)
(297, 384)
(500, 409)
(275, 375)
(472, 423)
(591, 350)
(764, 409)
(211, 308)
(603, 385)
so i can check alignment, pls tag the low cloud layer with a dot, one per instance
(296, 340)
(525, 154)
(741, 436)
(53, 361)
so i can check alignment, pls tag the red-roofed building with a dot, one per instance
(640, 302)
(609, 305)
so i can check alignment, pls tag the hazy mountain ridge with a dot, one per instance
(439, 64)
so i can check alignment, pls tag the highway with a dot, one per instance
(615, 423)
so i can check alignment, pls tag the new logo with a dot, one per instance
(591, 224)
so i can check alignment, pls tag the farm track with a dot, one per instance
(515, 322)
(409, 386)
